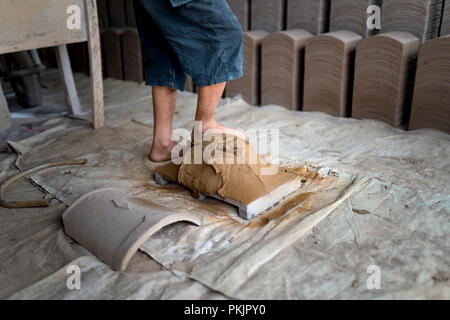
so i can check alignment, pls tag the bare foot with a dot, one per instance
(161, 152)
(222, 129)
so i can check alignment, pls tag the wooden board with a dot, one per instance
(419, 17)
(384, 74)
(65, 70)
(431, 102)
(310, 15)
(351, 15)
(329, 66)
(95, 63)
(31, 24)
(282, 64)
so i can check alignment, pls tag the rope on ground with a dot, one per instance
(33, 203)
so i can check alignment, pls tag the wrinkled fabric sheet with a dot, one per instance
(388, 207)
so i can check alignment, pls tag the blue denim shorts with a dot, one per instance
(201, 38)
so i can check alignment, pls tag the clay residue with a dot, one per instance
(280, 210)
(235, 173)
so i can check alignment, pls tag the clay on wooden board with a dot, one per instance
(235, 175)
(419, 17)
(351, 15)
(249, 85)
(132, 56)
(113, 225)
(112, 52)
(384, 73)
(268, 15)
(445, 26)
(309, 15)
(282, 68)
(241, 9)
(431, 101)
(329, 62)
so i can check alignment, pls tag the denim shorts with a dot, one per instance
(201, 38)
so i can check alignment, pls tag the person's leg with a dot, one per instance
(164, 99)
(208, 99)
(207, 40)
(164, 73)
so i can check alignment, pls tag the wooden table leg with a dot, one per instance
(95, 60)
(67, 76)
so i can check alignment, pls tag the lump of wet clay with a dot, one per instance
(233, 171)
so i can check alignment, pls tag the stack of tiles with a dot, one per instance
(249, 85)
(189, 85)
(112, 52)
(132, 56)
(431, 102)
(310, 15)
(329, 62)
(384, 71)
(268, 15)
(351, 15)
(282, 64)
(419, 17)
(117, 13)
(241, 9)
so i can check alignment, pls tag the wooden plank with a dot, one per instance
(420, 17)
(431, 102)
(329, 63)
(95, 60)
(66, 74)
(310, 15)
(384, 75)
(31, 24)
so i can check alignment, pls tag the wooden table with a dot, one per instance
(31, 24)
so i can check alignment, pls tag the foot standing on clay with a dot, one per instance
(180, 37)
